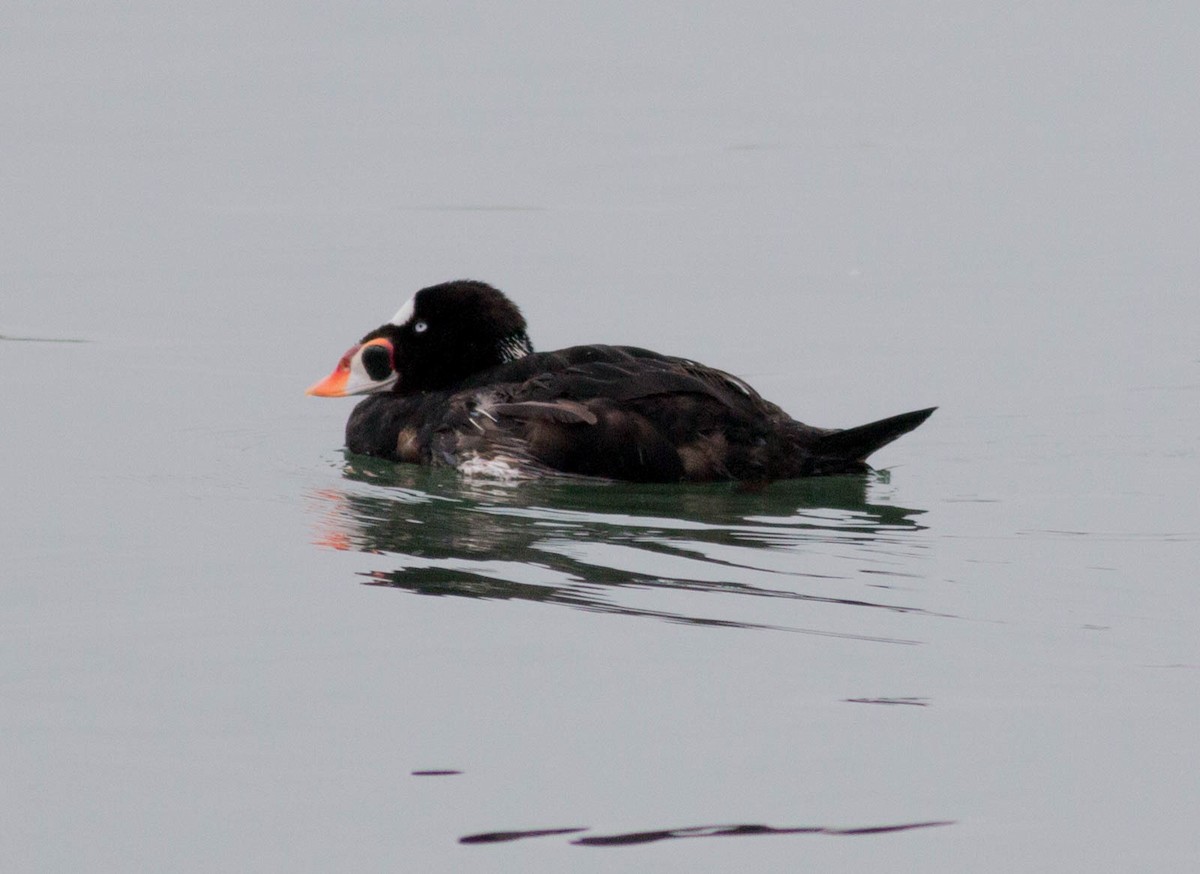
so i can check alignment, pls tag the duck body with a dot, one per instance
(476, 397)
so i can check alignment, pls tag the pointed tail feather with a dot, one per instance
(855, 444)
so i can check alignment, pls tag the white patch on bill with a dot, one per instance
(405, 313)
(359, 382)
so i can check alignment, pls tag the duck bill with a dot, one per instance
(337, 384)
(332, 386)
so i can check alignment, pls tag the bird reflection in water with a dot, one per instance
(580, 544)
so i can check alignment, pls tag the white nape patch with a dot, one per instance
(492, 468)
(512, 348)
(405, 313)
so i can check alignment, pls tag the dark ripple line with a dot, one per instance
(729, 587)
(684, 584)
(501, 837)
(625, 839)
(733, 623)
(460, 583)
(42, 339)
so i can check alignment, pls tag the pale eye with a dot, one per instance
(421, 327)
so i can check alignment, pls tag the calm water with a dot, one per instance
(228, 646)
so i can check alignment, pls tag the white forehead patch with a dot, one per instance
(405, 314)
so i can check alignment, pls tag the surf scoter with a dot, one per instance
(453, 380)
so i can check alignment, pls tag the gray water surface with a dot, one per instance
(227, 645)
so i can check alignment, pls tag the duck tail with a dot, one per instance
(855, 444)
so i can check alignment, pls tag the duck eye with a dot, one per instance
(377, 362)
(421, 327)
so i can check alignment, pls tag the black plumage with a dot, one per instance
(469, 392)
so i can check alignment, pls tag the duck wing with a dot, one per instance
(623, 413)
(628, 413)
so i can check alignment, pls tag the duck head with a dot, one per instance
(442, 335)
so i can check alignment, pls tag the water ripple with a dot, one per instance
(606, 547)
(700, 831)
